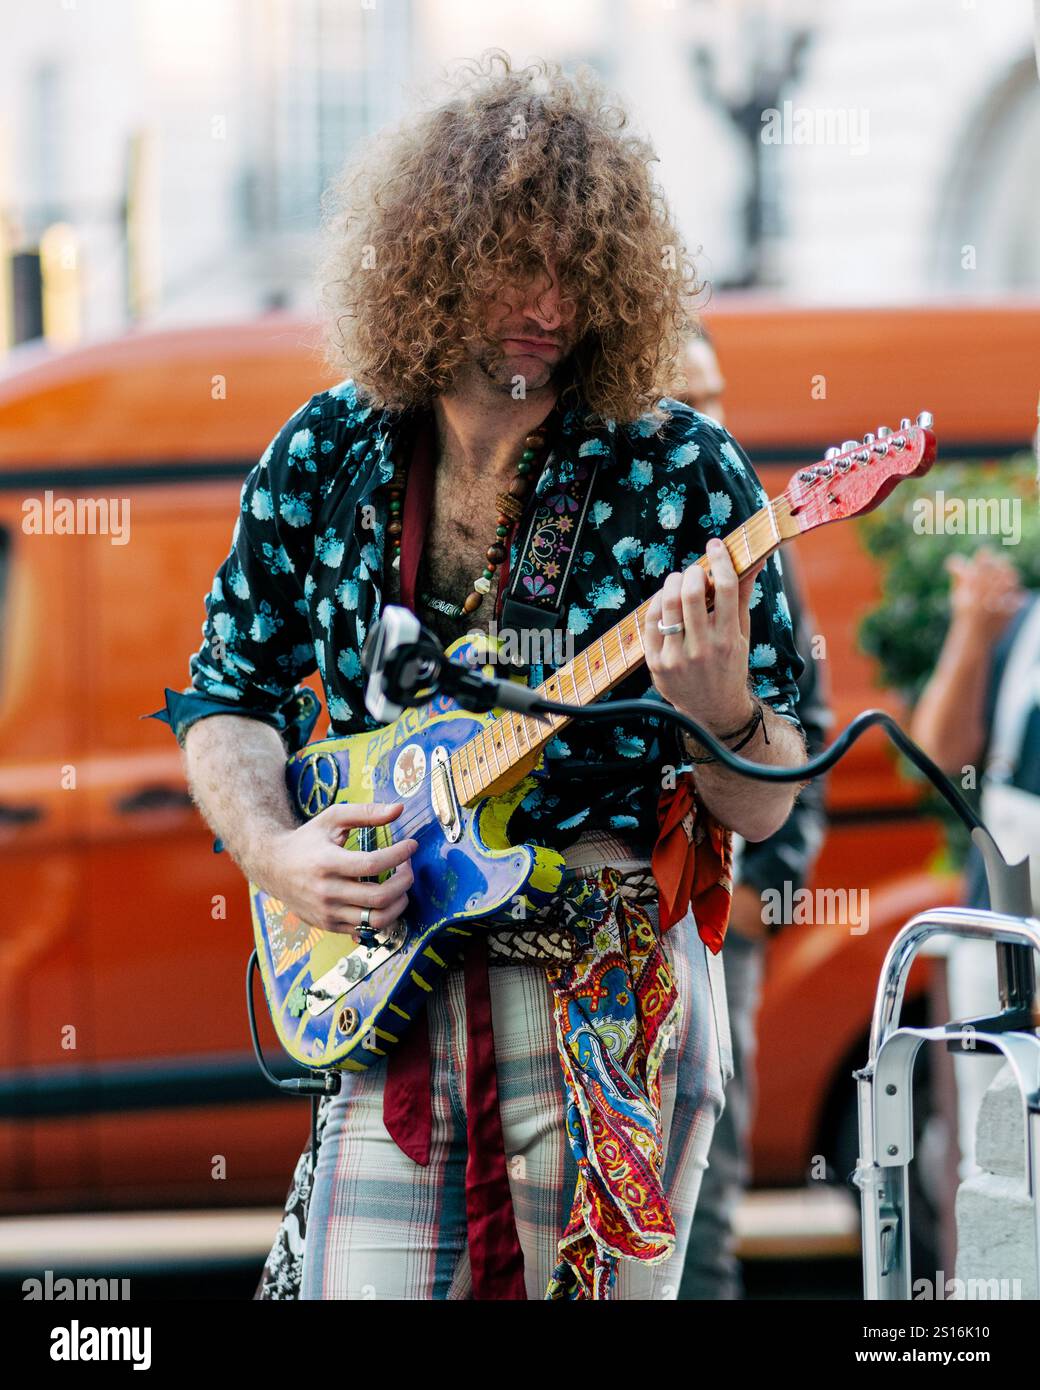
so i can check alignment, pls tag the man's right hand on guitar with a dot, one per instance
(320, 881)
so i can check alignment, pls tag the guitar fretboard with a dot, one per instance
(492, 753)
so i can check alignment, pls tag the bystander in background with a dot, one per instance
(712, 1269)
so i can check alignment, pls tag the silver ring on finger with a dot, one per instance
(366, 918)
(670, 629)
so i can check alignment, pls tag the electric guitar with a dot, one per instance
(460, 775)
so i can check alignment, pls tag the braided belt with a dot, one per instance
(547, 940)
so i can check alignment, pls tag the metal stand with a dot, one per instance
(886, 1122)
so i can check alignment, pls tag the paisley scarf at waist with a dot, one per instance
(615, 1011)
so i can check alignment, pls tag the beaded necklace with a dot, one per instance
(510, 508)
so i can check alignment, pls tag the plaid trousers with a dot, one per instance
(381, 1227)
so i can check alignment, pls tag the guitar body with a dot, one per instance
(337, 1004)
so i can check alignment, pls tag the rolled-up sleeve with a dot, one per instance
(257, 644)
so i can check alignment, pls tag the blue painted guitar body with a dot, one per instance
(335, 1004)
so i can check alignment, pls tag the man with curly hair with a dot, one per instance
(507, 295)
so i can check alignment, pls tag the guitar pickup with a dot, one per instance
(442, 795)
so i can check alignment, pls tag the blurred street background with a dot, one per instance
(170, 157)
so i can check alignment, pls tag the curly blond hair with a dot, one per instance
(522, 168)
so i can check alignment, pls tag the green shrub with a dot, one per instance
(905, 631)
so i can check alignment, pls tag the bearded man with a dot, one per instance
(507, 294)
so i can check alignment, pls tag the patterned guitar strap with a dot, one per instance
(533, 603)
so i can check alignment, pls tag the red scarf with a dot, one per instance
(693, 863)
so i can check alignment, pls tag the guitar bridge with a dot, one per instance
(326, 991)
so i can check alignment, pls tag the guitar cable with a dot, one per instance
(766, 772)
(326, 1083)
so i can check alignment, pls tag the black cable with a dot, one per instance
(765, 772)
(253, 1031)
(325, 1084)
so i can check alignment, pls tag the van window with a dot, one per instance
(147, 604)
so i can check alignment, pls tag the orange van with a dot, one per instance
(126, 1076)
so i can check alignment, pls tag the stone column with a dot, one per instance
(996, 1240)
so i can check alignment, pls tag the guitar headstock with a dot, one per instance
(859, 476)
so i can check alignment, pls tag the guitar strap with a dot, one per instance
(545, 558)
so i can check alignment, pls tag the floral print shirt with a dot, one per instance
(308, 573)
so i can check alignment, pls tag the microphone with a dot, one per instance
(406, 666)
(397, 667)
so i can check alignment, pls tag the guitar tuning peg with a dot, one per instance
(883, 431)
(904, 423)
(832, 452)
(924, 420)
(868, 439)
(849, 444)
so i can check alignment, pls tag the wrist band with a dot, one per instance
(748, 731)
(759, 718)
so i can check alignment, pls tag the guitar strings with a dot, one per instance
(518, 726)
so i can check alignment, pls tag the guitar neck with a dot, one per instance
(513, 738)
